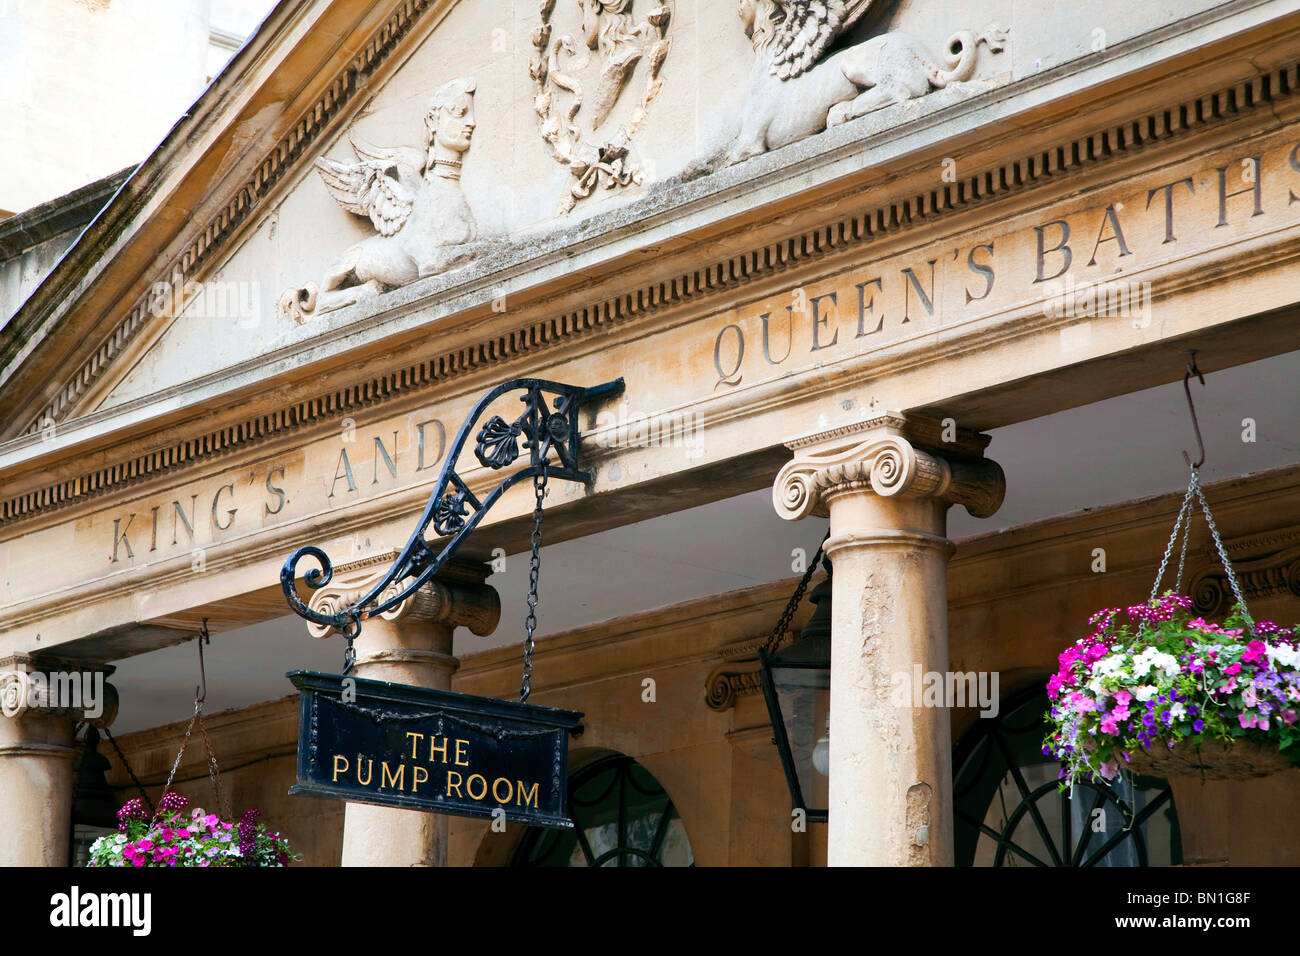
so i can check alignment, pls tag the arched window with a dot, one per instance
(1009, 810)
(621, 817)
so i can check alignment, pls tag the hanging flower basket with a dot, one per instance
(1159, 691)
(176, 836)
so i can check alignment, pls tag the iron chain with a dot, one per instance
(1223, 556)
(783, 625)
(176, 766)
(534, 571)
(131, 773)
(213, 770)
(350, 652)
(1182, 555)
(1185, 513)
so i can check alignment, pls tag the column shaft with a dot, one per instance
(411, 643)
(36, 769)
(416, 653)
(886, 485)
(889, 618)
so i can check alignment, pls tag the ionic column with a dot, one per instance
(886, 484)
(37, 752)
(409, 644)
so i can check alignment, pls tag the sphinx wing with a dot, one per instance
(808, 29)
(408, 157)
(369, 189)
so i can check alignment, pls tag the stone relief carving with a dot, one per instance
(413, 198)
(610, 42)
(795, 90)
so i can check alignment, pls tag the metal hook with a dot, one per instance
(1187, 389)
(201, 694)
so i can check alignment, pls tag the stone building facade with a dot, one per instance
(921, 275)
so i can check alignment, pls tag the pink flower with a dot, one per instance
(1288, 716)
(1248, 696)
(1254, 651)
(1247, 720)
(1119, 713)
(1232, 669)
(1108, 726)
(1096, 652)
(1123, 697)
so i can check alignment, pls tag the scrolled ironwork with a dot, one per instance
(550, 436)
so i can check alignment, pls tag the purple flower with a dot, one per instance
(172, 802)
(248, 832)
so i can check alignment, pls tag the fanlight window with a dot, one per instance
(621, 817)
(1010, 811)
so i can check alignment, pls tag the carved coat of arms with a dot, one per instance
(590, 53)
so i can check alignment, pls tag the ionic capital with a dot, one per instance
(44, 685)
(456, 597)
(891, 455)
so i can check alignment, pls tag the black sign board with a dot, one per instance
(370, 741)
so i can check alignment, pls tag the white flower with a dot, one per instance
(1168, 664)
(1108, 666)
(1178, 711)
(1144, 692)
(1283, 654)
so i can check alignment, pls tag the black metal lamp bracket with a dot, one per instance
(453, 511)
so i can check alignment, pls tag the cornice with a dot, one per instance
(1190, 114)
(71, 211)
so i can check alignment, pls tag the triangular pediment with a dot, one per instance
(383, 198)
(440, 133)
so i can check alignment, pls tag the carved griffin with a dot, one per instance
(413, 199)
(796, 89)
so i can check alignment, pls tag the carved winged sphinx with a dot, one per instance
(413, 199)
(796, 89)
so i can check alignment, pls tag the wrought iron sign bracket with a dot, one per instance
(453, 511)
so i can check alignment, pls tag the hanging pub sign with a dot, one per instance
(370, 741)
(374, 742)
